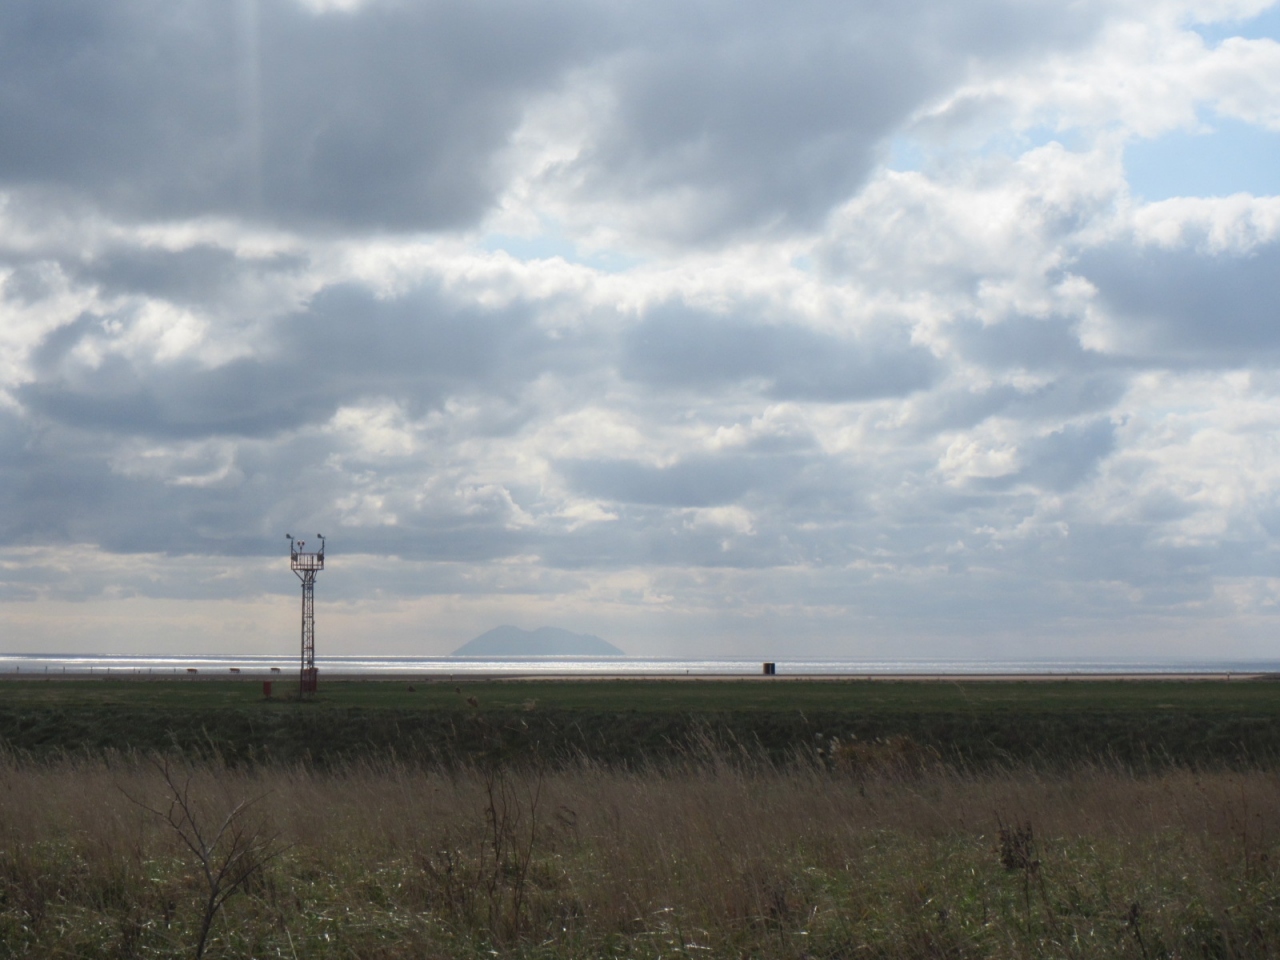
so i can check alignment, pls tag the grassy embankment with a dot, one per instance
(877, 849)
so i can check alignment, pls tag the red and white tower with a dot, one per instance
(306, 566)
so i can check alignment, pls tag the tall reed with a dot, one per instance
(705, 858)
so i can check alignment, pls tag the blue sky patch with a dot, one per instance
(1232, 157)
(553, 243)
(1264, 26)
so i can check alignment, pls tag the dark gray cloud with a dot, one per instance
(392, 116)
(388, 117)
(1059, 460)
(749, 507)
(681, 347)
(694, 482)
(1190, 306)
(45, 485)
(346, 346)
(197, 276)
(1030, 343)
(1066, 396)
(30, 280)
(754, 114)
(65, 486)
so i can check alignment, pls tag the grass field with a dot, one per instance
(654, 819)
(971, 723)
(1260, 697)
(703, 859)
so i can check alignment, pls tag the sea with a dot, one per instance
(442, 668)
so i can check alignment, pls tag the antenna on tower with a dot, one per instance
(306, 566)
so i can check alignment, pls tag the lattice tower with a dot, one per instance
(306, 566)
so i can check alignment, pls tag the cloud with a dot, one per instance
(399, 116)
(345, 346)
(1061, 459)
(383, 117)
(1031, 343)
(731, 119)
(1188, 305)
(193, 276)
(890, 355)
(691, 483)
(675, 346)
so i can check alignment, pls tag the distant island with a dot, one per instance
(508, 641)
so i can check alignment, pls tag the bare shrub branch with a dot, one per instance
(226, 852)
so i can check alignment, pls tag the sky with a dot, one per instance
(824, 329)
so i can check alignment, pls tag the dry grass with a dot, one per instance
(706, 859)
